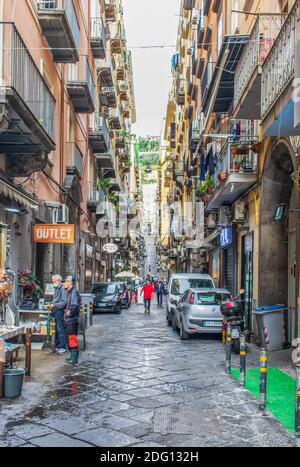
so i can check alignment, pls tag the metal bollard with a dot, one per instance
(91, 314)
(263, 381)
(243, 360)
(228, 349)
(297, 418)
(86, 316)
(53, 335)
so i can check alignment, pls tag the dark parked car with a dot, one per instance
(107, 298)
(125, 294)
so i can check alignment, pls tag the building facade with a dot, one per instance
(67, 105)
(233, 122)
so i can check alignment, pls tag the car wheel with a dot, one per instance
(184, 336)
(173, 322)
(168, 319)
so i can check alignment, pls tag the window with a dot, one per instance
(104, 289)
(213, 298)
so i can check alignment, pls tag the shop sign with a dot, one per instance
(89, 251)
(226, 237)
(110, 248)
(61, 233)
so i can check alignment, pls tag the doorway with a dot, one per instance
(247, 277)
(278, 238)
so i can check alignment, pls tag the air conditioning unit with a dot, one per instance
(224, 216)
(239, 212)
(211, 221)
(61, 214)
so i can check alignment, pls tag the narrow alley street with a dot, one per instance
(139, 385)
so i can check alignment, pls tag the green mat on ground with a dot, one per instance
(281, 393)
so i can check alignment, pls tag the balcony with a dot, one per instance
(99, 134)
(180, 92)
(280, 110)
(117, 39)
(106, 160)
(81, 90)
(27, 108)
(105, 73)
(108, 97)
(110, 10)
(236, 171)
(123, 90)
(75, 160)
(115, 119)
(218, 93)
(96, 196)
(188, 4)
(60, 26)
(120, 142)
(98, 38)
(200, 30)
(125, 110)
(248, 74)
(119, 66)
(196, 130)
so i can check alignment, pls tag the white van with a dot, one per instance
(179, 283)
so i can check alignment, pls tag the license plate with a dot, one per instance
(235, 333)
(212, 324)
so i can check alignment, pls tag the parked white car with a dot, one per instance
(199, 312)
(178, 284)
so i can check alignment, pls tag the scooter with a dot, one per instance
(233, 315)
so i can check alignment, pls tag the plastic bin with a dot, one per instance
(13, 383)
(271, 323)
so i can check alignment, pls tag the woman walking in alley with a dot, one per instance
(148, 291)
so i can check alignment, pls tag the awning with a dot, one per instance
(233, 47)
(22, 198)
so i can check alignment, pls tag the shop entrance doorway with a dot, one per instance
(277, 254)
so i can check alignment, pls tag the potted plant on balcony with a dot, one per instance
(210, 184)
(201, 193)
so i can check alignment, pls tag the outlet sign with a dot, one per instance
(60, 233)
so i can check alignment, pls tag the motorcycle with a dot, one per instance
(233, 315)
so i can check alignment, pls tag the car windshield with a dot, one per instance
(212, 298)
(104, 289)
(179, 286)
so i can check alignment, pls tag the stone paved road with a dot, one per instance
(139, 385)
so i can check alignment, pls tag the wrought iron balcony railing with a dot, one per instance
(262, 38)
(19, 72)
(71, 28)
(278, 68)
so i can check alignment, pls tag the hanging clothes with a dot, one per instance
(202, 167)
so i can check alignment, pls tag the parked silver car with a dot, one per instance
(199, 312)
(178, 284)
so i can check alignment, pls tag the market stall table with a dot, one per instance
(7, 333)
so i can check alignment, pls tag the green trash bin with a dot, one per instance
(13, 383)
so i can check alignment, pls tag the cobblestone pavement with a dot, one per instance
(139, 385)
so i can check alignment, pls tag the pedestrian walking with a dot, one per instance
(57, 308)
(71, 319)
(160, 291)
(148, 291)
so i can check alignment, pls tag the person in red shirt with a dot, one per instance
(148, 291)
